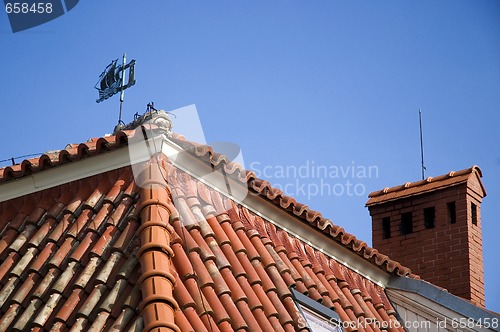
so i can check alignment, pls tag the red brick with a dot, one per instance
(450, 255)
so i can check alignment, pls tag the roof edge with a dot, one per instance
(479, 175)
(440, 296)
(120, 150)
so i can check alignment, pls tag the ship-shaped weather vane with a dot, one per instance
(112, 81)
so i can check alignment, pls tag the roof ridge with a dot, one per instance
(156, 210)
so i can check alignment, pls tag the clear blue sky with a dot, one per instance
(337, 83)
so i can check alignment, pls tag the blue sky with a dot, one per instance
(334, 83)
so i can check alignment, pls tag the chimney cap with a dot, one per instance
(430, 184)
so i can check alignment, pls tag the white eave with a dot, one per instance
(140, 151)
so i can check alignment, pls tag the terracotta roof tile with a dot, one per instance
(97, 145)
(99, 253)
(264, 189)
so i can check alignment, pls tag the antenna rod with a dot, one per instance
(421, 144)
(122, 93)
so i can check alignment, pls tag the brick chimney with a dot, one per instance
(433, 226)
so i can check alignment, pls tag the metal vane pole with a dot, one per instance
(421, 144)
(122, 93)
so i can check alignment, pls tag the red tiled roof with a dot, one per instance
(72, 152)
(102, 253)
(424, 186)
(302, 211)
(94, 146)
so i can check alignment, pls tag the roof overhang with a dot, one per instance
(434, 302)
(141, 151)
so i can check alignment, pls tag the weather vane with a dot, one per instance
(112, 81)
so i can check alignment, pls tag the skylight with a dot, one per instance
(318, 317)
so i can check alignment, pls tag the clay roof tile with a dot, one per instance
(76, 245)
